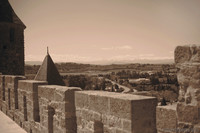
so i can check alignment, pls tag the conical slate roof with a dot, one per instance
(7, 14)
(48, 72)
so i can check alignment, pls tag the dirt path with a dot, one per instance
(126, 89)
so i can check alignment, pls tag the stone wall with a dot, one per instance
(185, 118)
(11, 49)
(187, 59)
(41, 108)
(99, 112)
(9, 93)
(166, 119)
(57, 109)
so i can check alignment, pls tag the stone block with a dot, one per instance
(120, 108)
(197, 128)
(114, 108)
(46, 92)
(112, 121)
(127, 125)
(187, 113)
(81, 100)
(98, 103)
(182, 54)
(57, 93)
(108, 129)
(30, 85)
(185, 128)
(166, 119)
(144, 115)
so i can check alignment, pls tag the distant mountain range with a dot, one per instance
(106, 62)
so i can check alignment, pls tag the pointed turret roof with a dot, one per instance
(48, 72)
(7, 13)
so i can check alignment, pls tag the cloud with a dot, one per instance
(125, 47)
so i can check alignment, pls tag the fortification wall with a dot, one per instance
(41, 108)
(186, 116)
(113, 112)
(187, 59)
(166, 119)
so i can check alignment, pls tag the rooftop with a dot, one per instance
(7, 14)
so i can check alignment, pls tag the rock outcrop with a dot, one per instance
(187, 59)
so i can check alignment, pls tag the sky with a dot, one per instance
(89, 31)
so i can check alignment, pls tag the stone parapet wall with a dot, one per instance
(28, 103)
(57, 109)
(99, 112)
(38, 107)
(9, 93)
(166, 119)
(41, 108)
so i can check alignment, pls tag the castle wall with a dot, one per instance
(57, 109)
(9, 93)
(166, 119)
(28, 103)
(187, 59)
(38, 107)
(99, 112)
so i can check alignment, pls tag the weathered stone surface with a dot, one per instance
(187, 59)
(144, 115)
(185, 128)
(182, 54)
(187, 113)
(117, 112)
(11, 41)
(197, 128)
(57, 107)
(166, 119)
(187, 53)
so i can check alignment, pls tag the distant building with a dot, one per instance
(11, 41)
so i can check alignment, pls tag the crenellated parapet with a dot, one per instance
(9, 93)
(41, 108)
(57, 107)
(99, 112)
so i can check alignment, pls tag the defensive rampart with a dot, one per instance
(41, 108)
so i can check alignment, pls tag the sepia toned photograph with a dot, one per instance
(99, 66)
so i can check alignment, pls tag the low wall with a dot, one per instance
(41, 108)
(166, 119)
(9, 94)
(99, 112)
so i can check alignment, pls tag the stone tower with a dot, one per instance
(48, 72)
(11, 41)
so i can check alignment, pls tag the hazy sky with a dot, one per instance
(94, 30)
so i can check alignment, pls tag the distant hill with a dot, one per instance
(109, 62)
(69, 67)
(141, 61)
(33, 62)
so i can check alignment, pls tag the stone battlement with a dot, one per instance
(41, 108)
